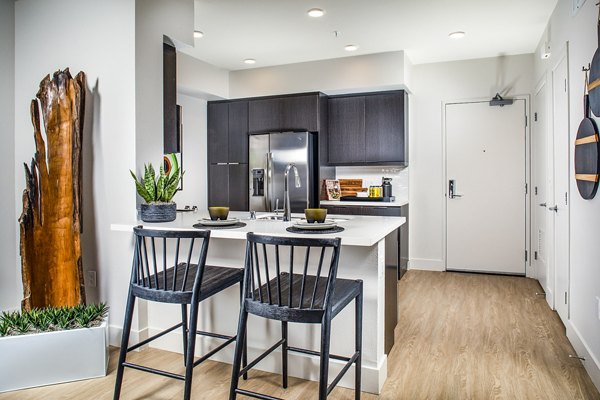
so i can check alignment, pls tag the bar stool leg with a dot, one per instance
(284, 353)
(358, 302)
(245, 337)
(191, 345)
(237, 357)
(324, 367)
(124, 343)
(184, 328)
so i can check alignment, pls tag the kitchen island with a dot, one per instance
(363, 256)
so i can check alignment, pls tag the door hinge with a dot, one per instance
(535, 255)
(525, 255)
(526, 120)
(565, 297)
(566, 199)
(526, 188)
(535, 117)
(535, 190)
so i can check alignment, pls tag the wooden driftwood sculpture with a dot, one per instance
(51, 218)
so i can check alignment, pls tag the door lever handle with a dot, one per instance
(555, 208)
(543, 204)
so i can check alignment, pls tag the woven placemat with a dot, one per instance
(236, 225)
(293, 229)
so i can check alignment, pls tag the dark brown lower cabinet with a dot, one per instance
(228, 186)
(381, 211)
(396, 264)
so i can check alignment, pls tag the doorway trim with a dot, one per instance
(527, 98)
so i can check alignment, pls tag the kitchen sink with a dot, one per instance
(275, 218)
(280, 218)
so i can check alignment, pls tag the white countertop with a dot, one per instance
(359, 230)
(395, 203)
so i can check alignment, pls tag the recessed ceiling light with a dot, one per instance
(457, 35)
(351, 47)
(250, 61)
(198, 34)
(316, 12)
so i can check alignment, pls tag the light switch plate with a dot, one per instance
(91, 278)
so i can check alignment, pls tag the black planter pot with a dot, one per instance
(164, 212)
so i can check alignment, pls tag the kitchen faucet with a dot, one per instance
(287, 208)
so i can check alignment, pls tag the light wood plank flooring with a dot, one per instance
(460, 336)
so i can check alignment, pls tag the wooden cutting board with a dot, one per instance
(350, 187)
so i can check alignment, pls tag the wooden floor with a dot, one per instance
(460, 336)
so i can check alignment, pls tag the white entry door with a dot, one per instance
(486, 187)
(560, 206)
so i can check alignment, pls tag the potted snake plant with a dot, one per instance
(158, 192)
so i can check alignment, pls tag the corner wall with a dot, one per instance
(99, 41)
(194, 152)
(9, 292)
(153, 20)
(583, 326)
(431, 86)
(382, 71)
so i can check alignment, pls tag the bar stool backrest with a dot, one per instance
(293, 292)
(161, 272)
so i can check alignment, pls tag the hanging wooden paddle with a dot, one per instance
(594, 84)
(587, 151)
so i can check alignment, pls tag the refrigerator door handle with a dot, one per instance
(269, 182)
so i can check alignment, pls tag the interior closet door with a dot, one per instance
(542, 176)
(560, 204)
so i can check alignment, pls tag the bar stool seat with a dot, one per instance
(214, 280)
(345, 291)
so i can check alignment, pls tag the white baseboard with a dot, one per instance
(591, 364)
(115, 332)
(424, 264)
(299, 365)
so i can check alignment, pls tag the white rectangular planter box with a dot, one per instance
(53, 357)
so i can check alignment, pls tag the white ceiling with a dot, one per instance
(276, 32)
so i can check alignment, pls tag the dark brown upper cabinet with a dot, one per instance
(284, 113)
(346, 130)
(228, 132)
(368, 129)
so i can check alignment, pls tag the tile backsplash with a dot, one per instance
(371, 175)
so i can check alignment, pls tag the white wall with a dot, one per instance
(194, 152)
(371, 175)
(153, 19)
(583, 327)
(383, 71)
(108, 58)
(9, 292)
(431, 85)
(199, 79)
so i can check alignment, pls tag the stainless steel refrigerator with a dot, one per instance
(269, 155)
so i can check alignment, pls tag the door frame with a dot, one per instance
(526, 97)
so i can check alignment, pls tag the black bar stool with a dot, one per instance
(286, 296)
(177, 283)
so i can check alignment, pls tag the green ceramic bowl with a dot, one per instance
(218, 213)
(315, 215)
